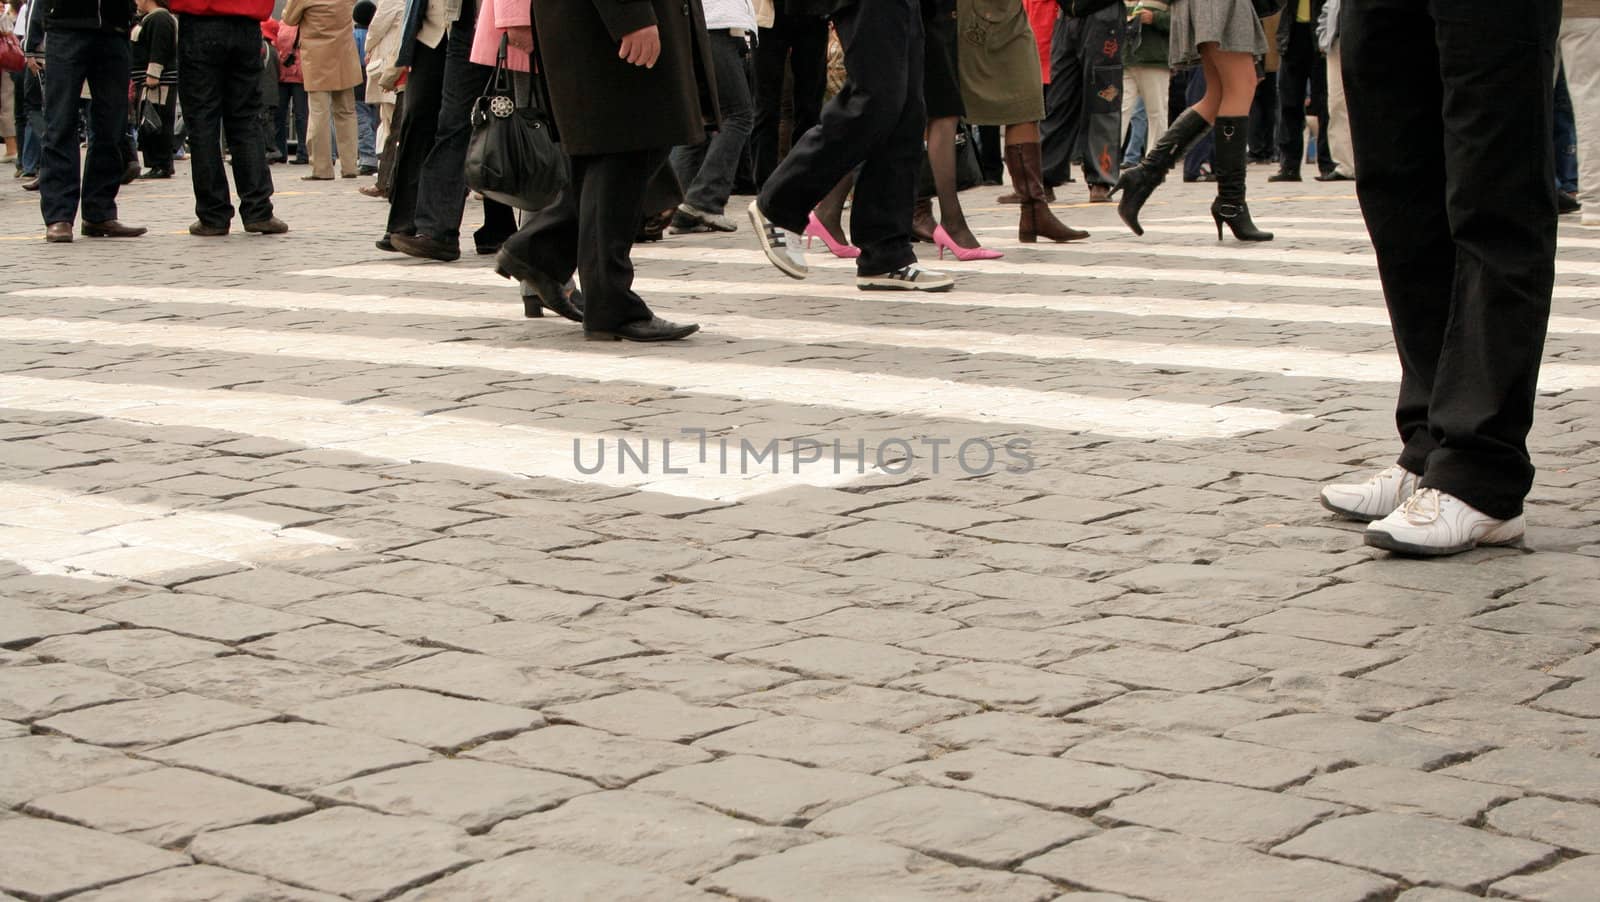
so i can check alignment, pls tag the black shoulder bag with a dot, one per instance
(512, 156)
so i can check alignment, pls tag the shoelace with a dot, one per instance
(1422, 507)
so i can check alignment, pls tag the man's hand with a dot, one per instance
(1147, 16)
(151, 81)
(520, 37)
(35, 65)
(642, 48)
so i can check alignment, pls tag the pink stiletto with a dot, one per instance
(943, 241)
(815, 229)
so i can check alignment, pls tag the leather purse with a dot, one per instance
(11, 57)
(512, 155)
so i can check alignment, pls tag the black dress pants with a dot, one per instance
(74, 58)
(1451, 115)
(424, 86)
(590, 231)
(875, 122)
(1302, 69)
(157, 146)
(798, 44)
(220, 58)
(441, 190)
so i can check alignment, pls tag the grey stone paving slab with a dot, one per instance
(153, 721)
(610, 761)
(1270, 652)
(885, 709)
(31, 693)
(665, 629)
(818, 743)
(1566, 824)
(1564, 775)
(1012, 687)
(338, 647)
(21, 623)
(540, 644)
(1151, 864)
(1489, 646)
(202, 883)
(1022, 734)
(1435, 894)
(1145, 631)
(764, 789)
(43, 859)
(405, 618)
(1150, 709)
(652, 715)
(203, 616)
(830, 657)
(292, 757)
(669, 836)
(1152, 669)
(127, 652)
(1219, 812)
(1055, 783)
(266, 587)
(1204, 758)
(1505, 725)
(1419, 849)
(1313, 693)
(9, 730)
(344, 851)
(34, 766)
(1025, 647)
(472, 795)
(1403, 791)
(1306, 623)
(543, 875)
(1359, 740)
(167, 807)
(695, 678)
(1569, 881)
(1465, 676)
(1393, 603)
(853, 868)
(421, 718)
(962, 827)
(257, 682)
(493, 679)
(1581, 699)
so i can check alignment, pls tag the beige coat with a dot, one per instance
(328, 57)
(383, 47)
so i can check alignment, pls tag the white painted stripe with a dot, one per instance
(1007, 266)
(56, 531)
(1571, 238)
(1288, 361)
(391, 433)
(873, 392)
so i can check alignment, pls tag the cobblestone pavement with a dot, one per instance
(305, 596)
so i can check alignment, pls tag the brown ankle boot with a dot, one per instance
(1026, 167)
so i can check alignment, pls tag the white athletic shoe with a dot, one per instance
(907, 278)
(1432, 523)
(1374, 499)
(783, 247)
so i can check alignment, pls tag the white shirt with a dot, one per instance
(722, 15)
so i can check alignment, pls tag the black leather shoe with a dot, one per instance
(157, 174)
(384, 244)
(556, 297)
(272, 225)
(111, 229)
(653, 329)
(1334, 176)
(1285, 175)
(1567, 203)
(426, 247)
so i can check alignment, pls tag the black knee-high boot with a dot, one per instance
(1230, 206)
(1138, 183)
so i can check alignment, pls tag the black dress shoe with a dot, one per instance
(31, 186)
(384, 244)
(560, 299)
(653, 329)
(426, 247)
(1334, 176)
(1567, 203)
(1285, 175)
(368, 170)
(154, 173)
(111, 229)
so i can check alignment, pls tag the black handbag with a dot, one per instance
(149, 116)
(512, 156)
(1268, 8)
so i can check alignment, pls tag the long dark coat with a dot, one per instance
(604, 104)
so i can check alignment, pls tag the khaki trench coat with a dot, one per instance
(329, 60)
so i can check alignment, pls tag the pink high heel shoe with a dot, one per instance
(943, 241)
(815, 229)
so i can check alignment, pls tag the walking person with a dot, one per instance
(1083, 123)
(155, 80)
(85, 44)
(1463, 219)
(330, 66)
(1302, 84)
(220, 55)
(874, 122)
(1146, 75)
(1224, 37)
(941, 94)
(792, 46)
(1341, 156)
(707, 169)
(1580, 53)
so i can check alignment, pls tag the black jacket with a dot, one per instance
(1286, 24)
(1080, 8)
(88, 15)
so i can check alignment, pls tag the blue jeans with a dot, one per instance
(367, 133)
(1566, 136)
(73, 57)
(1200, 157)
(220, 58)
(706, 170)
(1138, 134)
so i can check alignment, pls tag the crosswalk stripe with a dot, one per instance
(861, 391)
(58, 531)
(391, 433)
(1277, 281)
(1355, 229)
(1288, 361)
(1186, 308)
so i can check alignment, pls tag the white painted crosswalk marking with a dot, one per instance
(56, 531)
(1287, 361)
(872, 392)
(391, 433)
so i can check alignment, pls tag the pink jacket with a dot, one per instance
(494, 16)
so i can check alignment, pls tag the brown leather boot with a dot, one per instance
(1026, 167)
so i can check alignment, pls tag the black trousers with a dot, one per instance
(1302, 69)
(73, 58)
(875, 122)
(1264, 119)
(292, 103)
(797, 44)
(1081, 123)
(441, 191)
(157, 145)
(590, 231)
(220, 58)
(1451, 115)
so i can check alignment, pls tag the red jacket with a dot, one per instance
(259, 10)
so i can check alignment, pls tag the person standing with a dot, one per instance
(793, 43)
(366, 113)
(330, 66)
(1580, 52)
(1341, 157)
(291, 95)
(1146, 75)
(1463, 218)
(874, 122)
(1083, 121)
(155, 80)
(85, 43)
(707, 169)
(1302, 83)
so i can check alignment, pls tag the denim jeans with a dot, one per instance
(73, 57)
(442, 182)
(1138, 134)
(707, 169)
(367, 131)
(292, 100)
(1199, 159)
(31, 110)
(1566, 138)
(220, 58)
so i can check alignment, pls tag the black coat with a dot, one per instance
(604, 104)
(1286, 24)
(88, 15)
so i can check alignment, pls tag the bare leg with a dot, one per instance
(1230, 83)
(942, 158)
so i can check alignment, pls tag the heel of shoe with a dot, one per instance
(532, 308)
(1218, 218)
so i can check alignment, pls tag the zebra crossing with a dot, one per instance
(773, 369)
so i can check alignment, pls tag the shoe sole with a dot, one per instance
(507, 266)
(757, 221)
(1355, 516)
(685, 332)
(868, 286)
(1379, 539)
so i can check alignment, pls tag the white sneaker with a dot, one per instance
(907, 278)
(1432, 523)
(1374, 499)
(783, 247)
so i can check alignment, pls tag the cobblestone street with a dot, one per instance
(1016, 593)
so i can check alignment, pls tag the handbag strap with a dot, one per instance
(500, 83)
